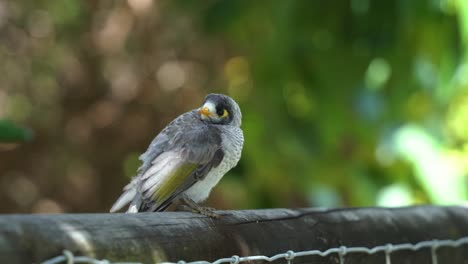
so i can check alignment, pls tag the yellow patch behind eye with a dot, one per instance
(225, 113)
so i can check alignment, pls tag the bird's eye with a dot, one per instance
(220, 111)
(225, 113)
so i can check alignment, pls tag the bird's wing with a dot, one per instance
(192, 155)
(165, 140)
(183, 153)
(198, 174)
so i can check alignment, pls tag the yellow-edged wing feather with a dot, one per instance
(175, 180)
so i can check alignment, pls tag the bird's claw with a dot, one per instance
(193, 207)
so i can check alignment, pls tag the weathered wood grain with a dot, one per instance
(173, 236)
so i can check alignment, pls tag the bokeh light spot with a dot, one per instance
(461, 74)
(140, 6)
(112, 34)
(377, 74)
(103, 113)
(47, 206)
(323, 195)
(425, 72)
(438, 174)
(4, 12)
(394, 195)
(171, 76)
(20, 189)
(125, 86)
(385, 154)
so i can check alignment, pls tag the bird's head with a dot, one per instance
(220, 109)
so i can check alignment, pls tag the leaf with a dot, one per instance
(10, 133)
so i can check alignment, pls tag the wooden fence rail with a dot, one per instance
(173, 236)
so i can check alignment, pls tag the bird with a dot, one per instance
(187, 159)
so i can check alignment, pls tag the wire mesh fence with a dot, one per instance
(342, 252)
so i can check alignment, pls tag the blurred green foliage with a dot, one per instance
(10, 133)
(345, 103)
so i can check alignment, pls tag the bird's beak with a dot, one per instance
(205, 111)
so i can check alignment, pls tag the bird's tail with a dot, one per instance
(135, 204)
(131, 196)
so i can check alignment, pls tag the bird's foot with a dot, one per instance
(192, 206)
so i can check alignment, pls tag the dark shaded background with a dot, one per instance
(345, 103)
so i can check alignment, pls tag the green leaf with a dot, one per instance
(10, 133)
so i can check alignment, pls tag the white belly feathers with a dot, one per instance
(232, 142)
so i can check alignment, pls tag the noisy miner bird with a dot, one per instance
(187, 159)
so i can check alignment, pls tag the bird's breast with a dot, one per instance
(232, 143)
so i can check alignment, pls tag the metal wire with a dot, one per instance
(289, 256)
(68, 258)
(343, 251)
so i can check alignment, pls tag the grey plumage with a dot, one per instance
(187, 158)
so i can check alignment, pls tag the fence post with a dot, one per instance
(173, 236)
